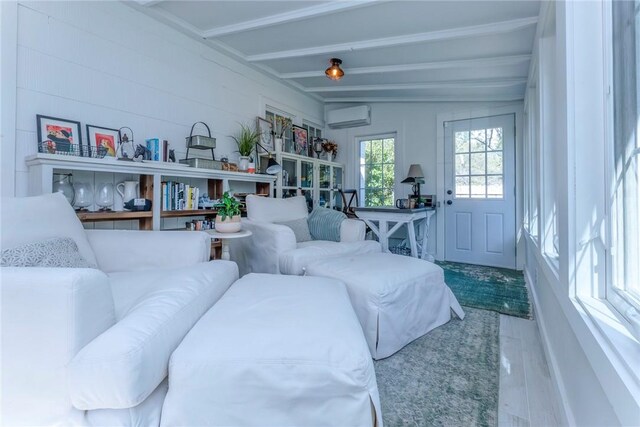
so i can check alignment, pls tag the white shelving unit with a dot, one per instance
(316, 179)
(150, 176)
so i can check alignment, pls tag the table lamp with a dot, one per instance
(415, 177)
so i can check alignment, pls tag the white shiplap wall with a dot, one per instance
(104, 63)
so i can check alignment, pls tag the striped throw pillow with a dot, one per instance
(324, 224)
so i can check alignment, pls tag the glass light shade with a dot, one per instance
(62, 184)
(334, 72)
(104, 196)
(84, 195)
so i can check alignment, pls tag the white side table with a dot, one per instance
(224, 237)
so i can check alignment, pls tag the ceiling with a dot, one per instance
(391, 50)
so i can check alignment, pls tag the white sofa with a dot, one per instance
(272, 247)
(91, 346)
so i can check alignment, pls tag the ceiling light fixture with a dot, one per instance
(334, 72)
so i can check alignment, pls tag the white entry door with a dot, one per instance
(480, 226)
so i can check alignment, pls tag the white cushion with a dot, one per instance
(295, 261)
(274, 351)
(269, 209)
(145, 414)
(122, 366)
(32, 219)
(397, 298)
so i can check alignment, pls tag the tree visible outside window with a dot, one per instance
(377, 171)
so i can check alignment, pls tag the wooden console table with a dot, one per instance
(384, 216)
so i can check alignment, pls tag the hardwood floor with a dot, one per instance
(527, 396)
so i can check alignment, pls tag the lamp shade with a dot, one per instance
(273, 167)
(415, 175)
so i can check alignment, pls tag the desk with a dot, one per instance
(385, 215)
(224, 238)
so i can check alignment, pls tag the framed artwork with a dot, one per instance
(59, 136)
(265, 128)
(103, 142)
(300, 140)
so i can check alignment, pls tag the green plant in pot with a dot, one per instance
(228, 214)
(246, 141)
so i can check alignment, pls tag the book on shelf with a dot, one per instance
(178, 196)
(155, 146)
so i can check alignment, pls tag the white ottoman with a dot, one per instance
(274, 351)
(397, 298)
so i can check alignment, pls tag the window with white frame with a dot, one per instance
(623, 287)
(377, 170)
(532, 162)
(276, 118)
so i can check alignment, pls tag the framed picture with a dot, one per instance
(300, 140)
(265, 127)
(103, 142)
(59, 136)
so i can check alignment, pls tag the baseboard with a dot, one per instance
(567, 413)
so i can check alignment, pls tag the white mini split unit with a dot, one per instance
(349, 117)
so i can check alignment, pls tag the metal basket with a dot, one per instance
(200, 142)
(67, 149)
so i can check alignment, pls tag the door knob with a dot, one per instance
(449, 192)
(449, 202)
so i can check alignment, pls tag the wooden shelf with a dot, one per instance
(190, 212)
(113, 216)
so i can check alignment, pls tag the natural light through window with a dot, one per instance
(377, 176)
(623, 289)
(478, 164)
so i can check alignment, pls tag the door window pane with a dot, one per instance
(462, 142)
(495, 187)
(478, 184)
(494, 163)
(462, 164)
(477, 140)
(462, 187)
(477, 164)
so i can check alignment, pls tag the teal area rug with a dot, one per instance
(488, 288)
(448, 377)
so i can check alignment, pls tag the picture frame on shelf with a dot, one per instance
(265, 128)
(103, 142)
(300, 140)
(59, 136)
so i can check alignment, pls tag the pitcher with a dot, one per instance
(130, 190)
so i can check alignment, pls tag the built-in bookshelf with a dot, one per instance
(150, 176)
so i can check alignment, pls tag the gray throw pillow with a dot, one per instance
(324, 224)
(300, 228)
(54, 252)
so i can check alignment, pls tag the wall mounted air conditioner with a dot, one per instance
(349, 117)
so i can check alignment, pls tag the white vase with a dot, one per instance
(229, 225)
(279, 144)
(243, 164)
(329, 156)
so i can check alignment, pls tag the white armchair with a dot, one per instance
(91, 346)
(273, 247)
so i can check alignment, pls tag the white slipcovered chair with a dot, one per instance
(273, 248)
(92, 345)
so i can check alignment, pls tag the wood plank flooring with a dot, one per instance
(527, 396)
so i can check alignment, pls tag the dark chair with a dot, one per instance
(349, 207)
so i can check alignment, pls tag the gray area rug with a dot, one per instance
(448, 377)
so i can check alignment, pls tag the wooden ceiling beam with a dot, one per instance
(467, 84)
(431, 36)
(286, 17)
(476, 62)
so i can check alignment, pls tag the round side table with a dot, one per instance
(224, 237)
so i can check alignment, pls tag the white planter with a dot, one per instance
(229, 225)
(329, 156)
(279, 144)
(243, 163)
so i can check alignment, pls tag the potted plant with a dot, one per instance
(228, 214)
(246, 141)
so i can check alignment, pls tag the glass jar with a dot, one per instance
(84, 196)
(63, 183)
(104, 196)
